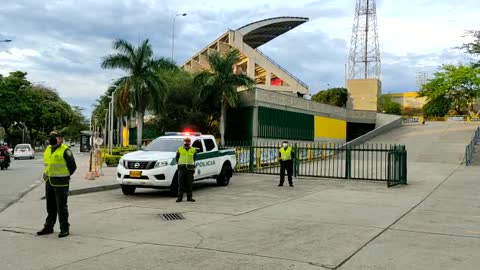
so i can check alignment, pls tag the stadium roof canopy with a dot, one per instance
(260, 32)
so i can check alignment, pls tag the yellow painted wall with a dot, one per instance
(330, 128)
(408, 100)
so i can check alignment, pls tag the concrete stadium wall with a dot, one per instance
(259, 97)
(329, 122)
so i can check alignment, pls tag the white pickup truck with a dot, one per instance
(155, 166)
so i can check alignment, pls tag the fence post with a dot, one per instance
(404, 166)
(348, 162)
(250, 164)
(295, 160)
(466, 155)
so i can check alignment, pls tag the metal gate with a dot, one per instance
(378, 162)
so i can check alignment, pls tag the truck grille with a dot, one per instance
(140, 165)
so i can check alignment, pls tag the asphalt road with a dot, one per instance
(19, 178)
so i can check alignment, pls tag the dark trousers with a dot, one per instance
(286, 165)
(56, 198)
(185, 180)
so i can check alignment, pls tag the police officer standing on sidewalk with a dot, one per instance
(286, 156)
(59, 166)
(186, 157)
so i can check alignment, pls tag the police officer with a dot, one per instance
(59, 166)
(186, 157)
(286, 156)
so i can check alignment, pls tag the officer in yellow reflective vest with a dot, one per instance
(186, 157)
(286, 156)
(59, 166)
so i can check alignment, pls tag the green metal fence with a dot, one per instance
(379, 162)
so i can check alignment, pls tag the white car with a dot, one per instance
(23, 151)
(155, 165)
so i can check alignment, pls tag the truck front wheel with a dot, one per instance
(223, 179)
(128, 190)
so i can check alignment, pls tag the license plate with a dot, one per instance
(135, 174)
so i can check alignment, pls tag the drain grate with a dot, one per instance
(172, 216)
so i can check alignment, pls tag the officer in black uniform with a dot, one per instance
(59, 166)
(286, 157)
(186, 157)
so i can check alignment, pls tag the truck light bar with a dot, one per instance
(183, 133)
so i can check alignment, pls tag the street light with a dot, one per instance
(173, 30)
(111, 117)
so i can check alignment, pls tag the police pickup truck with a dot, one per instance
(155, 167)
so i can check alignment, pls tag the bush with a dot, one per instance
(112, 160)
(386, 105)
(436, 107)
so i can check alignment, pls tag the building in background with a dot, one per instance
(410, 102)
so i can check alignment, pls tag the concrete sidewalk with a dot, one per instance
(80, 185)
(432, 223)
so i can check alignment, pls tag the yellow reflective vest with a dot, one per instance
(187, 157)
(286, 154)
(56, 170)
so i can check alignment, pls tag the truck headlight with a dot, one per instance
(121, 163)
(161, 163)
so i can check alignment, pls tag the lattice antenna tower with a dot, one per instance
(364, 56)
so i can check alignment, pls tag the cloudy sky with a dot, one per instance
(61, 43)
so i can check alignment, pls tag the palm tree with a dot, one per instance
(222, 81)
(142, 87)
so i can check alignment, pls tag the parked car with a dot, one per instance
(23, 151)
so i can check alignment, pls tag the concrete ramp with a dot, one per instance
(434, 142)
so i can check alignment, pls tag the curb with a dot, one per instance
(90, 190)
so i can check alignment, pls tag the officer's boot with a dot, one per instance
(45, 230)
(190, 199)
(180, 197)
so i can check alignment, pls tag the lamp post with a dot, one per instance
(111, 118)
(173, 30)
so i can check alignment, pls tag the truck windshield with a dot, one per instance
(164, 145)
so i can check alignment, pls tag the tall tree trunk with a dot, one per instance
(139, 129)
(223, 119)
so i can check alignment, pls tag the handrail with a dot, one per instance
(282, 69)
(470, 148)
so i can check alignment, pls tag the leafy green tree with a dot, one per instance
(31, 111)
(186, 106)
(437, 107)
(333, 96)
(459, 84)
(16, 106)
(221, 83)
(142, 87)
(386, 105)
(77, 123)
(473, 47)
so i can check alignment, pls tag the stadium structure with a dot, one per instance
(267, 74)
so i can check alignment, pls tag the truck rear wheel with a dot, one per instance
(223, 179)
(128, 190)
